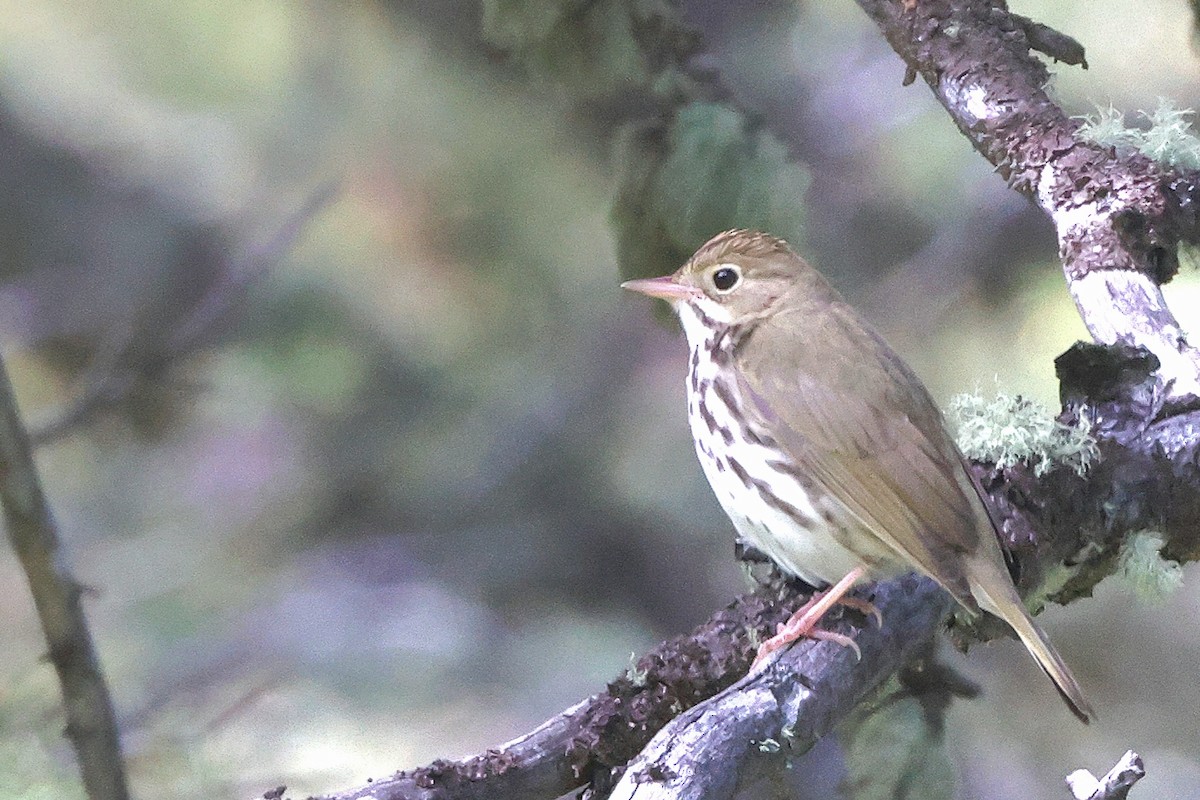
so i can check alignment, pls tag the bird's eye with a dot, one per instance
(725, 278)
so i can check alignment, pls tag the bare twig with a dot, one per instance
(91, 724)
(225, 296)
(132, 356)
(1113, 786)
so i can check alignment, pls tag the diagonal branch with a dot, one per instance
(704, 752)
(136, 355)
(608, 729)
(91, 724)
(806, 691)
(1115, 784)
(1119, 216)
(1047, 521)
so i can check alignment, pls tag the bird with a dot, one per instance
(825, 449)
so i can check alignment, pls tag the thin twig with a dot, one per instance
(91, 723)
(130, 356)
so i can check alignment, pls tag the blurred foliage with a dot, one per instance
(428, 481)
(592, 49)
(711, 171)
(895, 751)
(690, 166)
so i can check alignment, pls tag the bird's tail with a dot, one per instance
(1010, 609)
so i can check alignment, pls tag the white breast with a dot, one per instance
(777, 517)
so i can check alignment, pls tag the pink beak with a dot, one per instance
(665, 287)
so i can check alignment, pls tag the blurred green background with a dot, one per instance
(425, 479)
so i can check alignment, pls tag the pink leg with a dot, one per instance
(802, 624)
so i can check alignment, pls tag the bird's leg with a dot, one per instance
(802, 624)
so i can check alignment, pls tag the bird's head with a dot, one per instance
(737, 277)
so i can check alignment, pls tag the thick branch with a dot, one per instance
(807, 691)
(1046, 522)
(91, 724)
(1119, 216)
(703, 752)
(605, 731)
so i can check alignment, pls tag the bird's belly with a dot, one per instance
(798, 527)
(798, 539)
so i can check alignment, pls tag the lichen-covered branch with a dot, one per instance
(704, 752)
(605, 731)
(799, 697)
(91, 724)
(1119, 216)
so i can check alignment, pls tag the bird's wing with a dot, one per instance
(865, 429)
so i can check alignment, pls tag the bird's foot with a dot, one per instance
(803, 623)
(786, 635)
(864, 607)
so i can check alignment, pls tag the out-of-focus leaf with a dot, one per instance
(711, 171)
(590, 49)
(892, 753)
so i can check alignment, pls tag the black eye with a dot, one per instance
(726, 278)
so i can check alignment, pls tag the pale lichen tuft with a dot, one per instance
(1141, 565)
(1009, 430)
(1169, 139)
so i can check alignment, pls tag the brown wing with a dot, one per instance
(865, 428)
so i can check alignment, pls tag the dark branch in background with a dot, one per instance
(1119, 218)
(134, 358)
(118, 369)
(91, 724)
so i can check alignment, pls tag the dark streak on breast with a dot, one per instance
(721, 390)
(770, 498)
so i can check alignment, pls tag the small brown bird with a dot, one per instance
(823, 447)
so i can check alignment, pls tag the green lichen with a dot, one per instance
(1141, 565)
(1169, 139)
(1009, 430)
